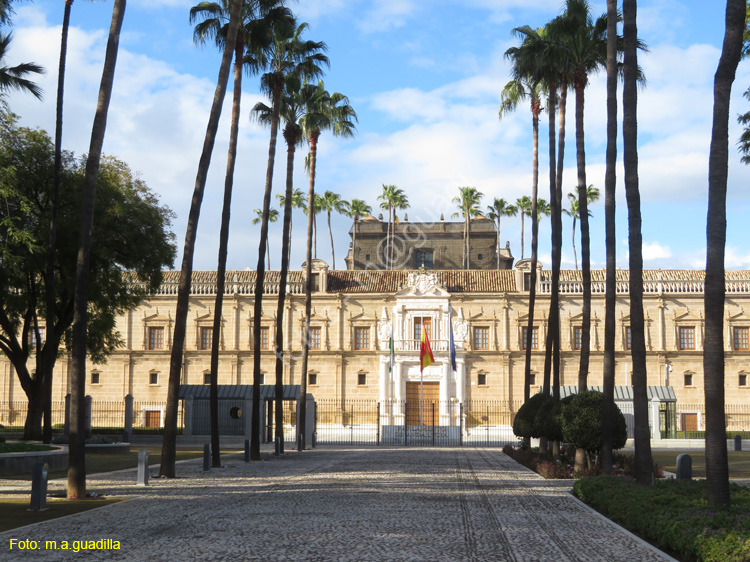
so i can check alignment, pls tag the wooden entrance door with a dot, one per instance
(689, 422)
(430, 404)
(152, 418)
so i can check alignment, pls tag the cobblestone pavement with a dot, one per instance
(336, 504)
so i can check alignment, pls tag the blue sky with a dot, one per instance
(425, 79)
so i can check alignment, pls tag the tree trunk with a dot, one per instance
(534, 236)
(260, 273)
(330, 235)
(221, 268)
(643, 461)
(169, 443)
(302, 405)
(583, 370)
(77, 434)
(554, 301)
(291, 135)
(47, 373)
(610, 297)
(559, 184)
(717, 470)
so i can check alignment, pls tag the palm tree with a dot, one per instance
(610, 296)
(527, 84)
(77, 433)
(286, 53)
(14, 77)
(357, 208)
(717, 473)
(316, 208)
(592, 195)
(393, 198)
(523, 204)
(500, 208)
(168, 455)
(468, 204)
(273, 216)
(324, 112)
(298, 201)
(643, 460)
(332, 202)
(257, 17)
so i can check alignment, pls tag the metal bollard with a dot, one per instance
(684, 467)
(143, 467)
(206, 457)
(737, 443)
(277, 447)
(247, 450)
(39, 486)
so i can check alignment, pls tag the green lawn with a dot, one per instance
(739, 462)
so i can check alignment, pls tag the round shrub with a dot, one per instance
(525, 423)
(548, 419)
(582, 422)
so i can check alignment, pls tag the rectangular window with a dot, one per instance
(743, 380)
(628, 338)
(577, 337)
(742, 339)
(688, 379)
(264, 338)
(153, 378)
(534, 337)
(362, 338)
(156, 338)
(418, 327)
(314, 337)
(33, 343)
(481, 337)
(94, 377)
(312, 379)
(207, 337)
(262, 378)
(207, 377)
(532, 379)
(482, 379)
(687, 337)
(362, 379)
(424, 258)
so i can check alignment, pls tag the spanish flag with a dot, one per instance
(425, 353)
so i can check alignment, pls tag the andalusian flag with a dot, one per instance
(425, 353)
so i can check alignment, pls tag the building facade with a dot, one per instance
(355, 313)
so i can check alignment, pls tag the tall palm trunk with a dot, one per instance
(643, 460)
(49, 357)
(168, 454)
(535, 110)
(610, 297)
(573, 239)
(559, 184)
(223, 251)
(354, 243)
(330, 235)
(77, 434)
(522, 214)
(583, 370)
(717, 472)
(260, 274)
(291, 136)
(302, 407)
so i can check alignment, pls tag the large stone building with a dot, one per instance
(355, 312)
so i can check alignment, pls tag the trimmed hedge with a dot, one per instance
(673, 516)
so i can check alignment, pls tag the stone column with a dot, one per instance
(661, 327)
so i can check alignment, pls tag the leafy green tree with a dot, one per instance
(15, 77)
(131, 232)
(592, 195)
(273, 216)
(468, 204)
(357, 208)
(298, 201)
(582, 422)
(525, 424)
(523, 204)
(717, 468)
(500, 208)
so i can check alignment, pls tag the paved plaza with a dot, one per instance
(340, 504)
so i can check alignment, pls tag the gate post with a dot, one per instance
(378, 426)
(406, 424)
(433, 424)
(461, 424)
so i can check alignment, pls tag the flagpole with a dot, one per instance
(421, 378)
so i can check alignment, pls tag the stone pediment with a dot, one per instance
(738, 316)
(422, 284)
(688, 316)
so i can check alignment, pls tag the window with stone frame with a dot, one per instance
(688, 379)
(33, 343)
(206, 337)
(577, 337)
(482, 379)
(265, 338)
(315, 340)
(686, 337)
(362, 379)
(95, 378)
(153, 378)
(361, 337)
(156, 337)
(742, 379)
(312, 379)
(534, 337)
(206, 377)
(481, 337)
(741, 338)
(418, 322)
